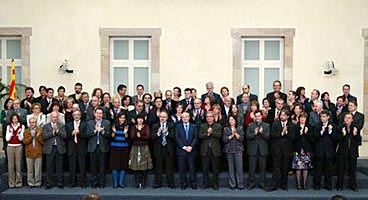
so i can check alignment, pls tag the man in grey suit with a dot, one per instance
(258, 133)
(210, 136)
(20, 111)
(99, 133)
(54, 148)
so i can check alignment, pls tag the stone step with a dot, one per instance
(173, 194)
(362, 180)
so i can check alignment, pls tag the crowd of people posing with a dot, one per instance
(116, 133)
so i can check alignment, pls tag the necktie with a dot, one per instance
(163, 142)
(76, 126)
(187, 102)
(187, 132)
(98, 133)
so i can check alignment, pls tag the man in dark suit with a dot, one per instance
(346, 94)
(210, 136)
(90, 112)
(132, 115)
(226, 110)
(209, 87)
(99, 132)
(258, 134)
(139, 95)
(188, 101)
(77, 92)
(54, 148)
(77, 149)
(310, 104)
(282, 136)
(153, 115)
(48, 101)
(358, 117)
(324, 151)
(347, 153)
(186, 139)
(245, 89)
(84, 104)
(276, 93)
(274, 113)
(168, 103)
(164, 145)
(197, 114)
(27, 102)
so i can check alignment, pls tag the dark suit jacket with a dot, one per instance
(157, 140)
(132, 115)
(270, 96)
(75, 98)
(81, 147)
(103, 136)
(49, 138)
(45, 104)
(182, 141)
(324, 145)
(349, 143)
(303, 141)
(215, 95)
(214, 139)
(152, 117)
(358, 120)
(259, 141)
(252, 97)
(282, 144)
(185, 104)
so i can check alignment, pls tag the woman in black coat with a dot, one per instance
(302, 151)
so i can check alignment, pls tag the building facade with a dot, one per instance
(169, 43)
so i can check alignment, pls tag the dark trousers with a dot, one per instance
(54, 160)
(280, 164)
(254, 161)
(164, 159)
(212, 161)
(346, 163)
(323, 166)
(81, 160)
(184, 161)
(98, 160)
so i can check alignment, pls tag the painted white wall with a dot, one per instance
(196, 43)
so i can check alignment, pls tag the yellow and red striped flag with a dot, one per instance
(12, 92)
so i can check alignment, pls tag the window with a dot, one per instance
(10, 48)
(262, 63)
(130, 62)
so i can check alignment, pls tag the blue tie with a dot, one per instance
(187, 132)
(163, 135)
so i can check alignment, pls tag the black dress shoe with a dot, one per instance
(83, 185)
(157, 185)
(61, 186)
(102, 185)
(194, 187)
(251, 187)
(263, 187)
(172, 186)
(339, 189)
(205, 187)
(49, 187)
(355, 189)
(215, 187)
(327, 188)
(284, 188)
(73, 185)
(272, 189)
(95, 185)
(183, 186)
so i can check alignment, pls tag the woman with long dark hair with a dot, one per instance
(119, 150)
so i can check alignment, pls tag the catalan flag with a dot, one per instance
(12, 92)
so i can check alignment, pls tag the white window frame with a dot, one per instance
(130, 63)
(5, 62)
(261, 63)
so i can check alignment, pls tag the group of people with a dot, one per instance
(117, 133)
